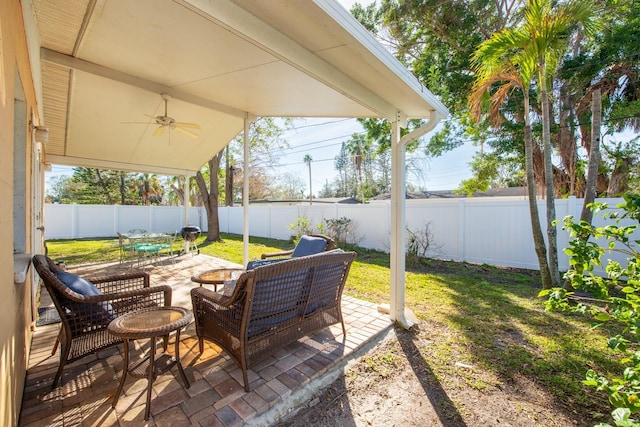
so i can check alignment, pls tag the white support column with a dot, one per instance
(245, 190)
(398, 213)
(397, 226)
(187, 203)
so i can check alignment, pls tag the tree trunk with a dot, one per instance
(550, 196)
(619, 182)
(102, 185)
(310, 190)
(210, 198)
(538, 237)
(123, 189)
(228, 180)
(594, 157)
(566, 141)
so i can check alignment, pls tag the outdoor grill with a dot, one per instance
(190, 233)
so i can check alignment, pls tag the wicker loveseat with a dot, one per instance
(272, 306)
(85, 316)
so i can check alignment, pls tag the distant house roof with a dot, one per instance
(450, 194)
(327, 200)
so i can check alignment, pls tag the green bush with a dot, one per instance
(613, 298)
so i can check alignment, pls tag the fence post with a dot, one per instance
(461, 230)
(270, 213)
(571, 207)
(116, 220)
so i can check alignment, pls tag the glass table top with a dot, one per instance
(151, 321)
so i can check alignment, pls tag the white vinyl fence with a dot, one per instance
(494, 231)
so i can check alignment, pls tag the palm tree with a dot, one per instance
(547, 31)
(532, 49)
(357, 147)
(493, 67)
(307, 159)
(149, 186)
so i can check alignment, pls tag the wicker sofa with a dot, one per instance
(272, 306)
(86, 315)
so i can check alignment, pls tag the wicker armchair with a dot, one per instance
(85, 317)
(272, 306)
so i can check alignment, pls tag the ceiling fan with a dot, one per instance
(165, 122)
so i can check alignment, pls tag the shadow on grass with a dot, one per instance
(444, 407)
(507, 331)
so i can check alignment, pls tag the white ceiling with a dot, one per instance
(105, 62)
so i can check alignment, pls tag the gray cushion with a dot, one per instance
(309, 245)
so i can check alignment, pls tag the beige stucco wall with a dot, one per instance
(15, 300)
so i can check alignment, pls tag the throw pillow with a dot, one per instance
(102, 312)
(77, 284)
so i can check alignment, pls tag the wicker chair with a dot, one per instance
(85, 318)
(272, 306)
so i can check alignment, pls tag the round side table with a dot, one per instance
(217, 276)
(150, 323)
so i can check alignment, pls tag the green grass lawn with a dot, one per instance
(483, 316)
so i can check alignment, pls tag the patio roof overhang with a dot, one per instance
(107, 62)
(224, 62)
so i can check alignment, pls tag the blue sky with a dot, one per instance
(322, 138)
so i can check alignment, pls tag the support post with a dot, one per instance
(397, 227)
(245, 190)
(398, 212)
(187, 203)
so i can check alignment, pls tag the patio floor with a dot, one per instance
(279, 384)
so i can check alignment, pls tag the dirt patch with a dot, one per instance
(394, 385)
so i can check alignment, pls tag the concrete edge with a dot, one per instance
(300, 399)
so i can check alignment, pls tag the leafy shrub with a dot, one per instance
(419, 242)
(339, 229)
(616, 297)
(301, 227)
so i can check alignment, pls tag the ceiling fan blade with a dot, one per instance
(187, 125)
(185, 132)
(136, 123)
(159, 131)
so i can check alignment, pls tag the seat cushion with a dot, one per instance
(309, 245)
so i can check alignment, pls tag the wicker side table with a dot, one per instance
(217, 276)
(150, 323)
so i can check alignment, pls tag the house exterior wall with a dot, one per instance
(15, 304)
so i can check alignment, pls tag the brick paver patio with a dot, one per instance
(279, 384)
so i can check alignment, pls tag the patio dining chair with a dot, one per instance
(86, 308)
(154, 245)
(137, 232)
(126, 248)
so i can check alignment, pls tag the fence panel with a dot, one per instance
(59, 221)
(93, 220)
(489, 230)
